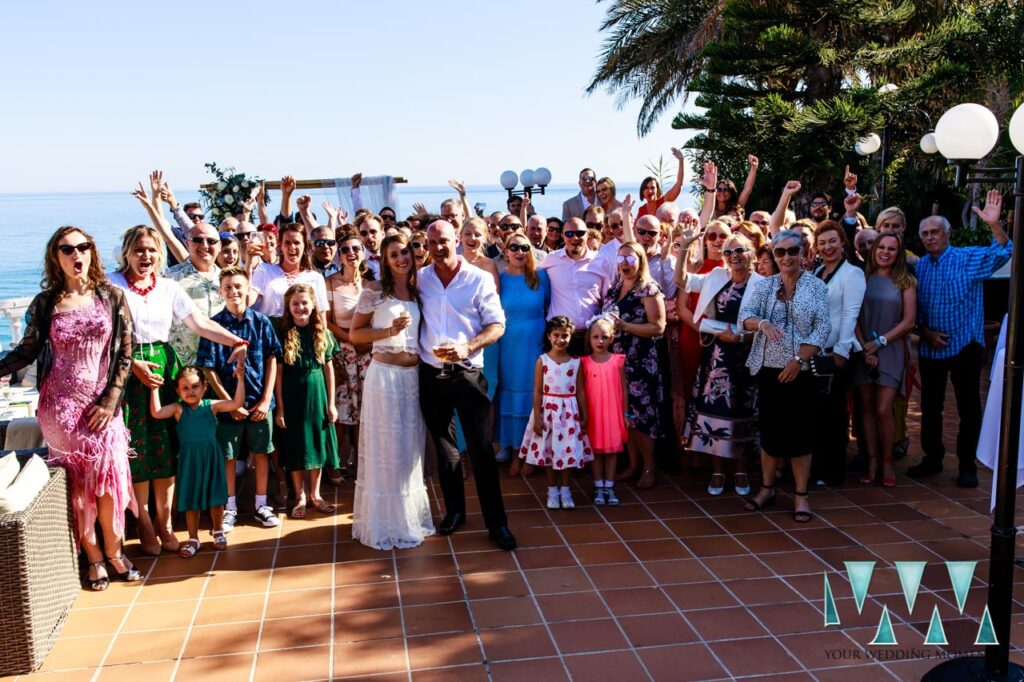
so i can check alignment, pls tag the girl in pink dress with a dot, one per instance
(555, 437)
(604, 375)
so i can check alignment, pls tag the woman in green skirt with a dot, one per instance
(156, 303)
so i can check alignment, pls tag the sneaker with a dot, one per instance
(553, 500)
(230, 517)
(267, 517)
(566, 498)
(718, 489)
(599, 495)
(610, 497)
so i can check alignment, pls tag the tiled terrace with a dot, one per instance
(672, 585)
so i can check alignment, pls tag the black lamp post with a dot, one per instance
(970, 132)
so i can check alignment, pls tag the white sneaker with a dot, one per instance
(230, 517)
(267, 517)
(566, 499)
(553, 501)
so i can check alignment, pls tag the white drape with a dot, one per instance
(376, 192)
(988, 442)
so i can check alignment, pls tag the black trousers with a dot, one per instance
(463, 391)
(965, 370)
(830, 427)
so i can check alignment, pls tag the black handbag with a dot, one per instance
(824, 365)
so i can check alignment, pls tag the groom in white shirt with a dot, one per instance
(462, 315)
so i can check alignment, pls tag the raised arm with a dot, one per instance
(460, 187)
(261, 202)
(709, 181)
(238, 400)
(628, 235)
(161, 225)
(306, 215)
(779, 216)
(208, 329)
(184, 222)
(673, 192)
(748, 186)
(287, 187)
(688, 236)
(158, 411)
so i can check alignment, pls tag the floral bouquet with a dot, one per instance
(231, 191)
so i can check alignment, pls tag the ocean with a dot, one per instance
(28, 220)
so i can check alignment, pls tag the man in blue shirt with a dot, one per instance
(950, 312)
(250, 425)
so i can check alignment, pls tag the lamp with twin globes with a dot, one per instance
(534, 181)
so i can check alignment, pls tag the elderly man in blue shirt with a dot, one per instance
(950, 311)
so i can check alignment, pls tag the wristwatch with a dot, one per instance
(804, 365)
(882, 341)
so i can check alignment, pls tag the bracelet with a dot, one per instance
(711, 191)
(240, 343)
(759, 325)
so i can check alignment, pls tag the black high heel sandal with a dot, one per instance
(801, 516)
(129, 575)
(751, 504)
(99, 584)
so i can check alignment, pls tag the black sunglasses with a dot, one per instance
(196, 217)
(326, 242)
(385, 216)
(209, 241)
(647, 233)
(734, 252)
(68, 249)
(417, 245)
(595, 226)
(517, 248)
(508, 227)
(572, 234)
(791, 251)
(355, 248)
(243, 236)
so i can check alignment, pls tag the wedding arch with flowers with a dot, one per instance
(230, 192)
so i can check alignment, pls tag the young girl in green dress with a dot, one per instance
(305, 411)
(201, 481)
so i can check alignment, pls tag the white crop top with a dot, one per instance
(384, 313)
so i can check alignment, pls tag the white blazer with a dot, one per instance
(710, 284)
(845, 296)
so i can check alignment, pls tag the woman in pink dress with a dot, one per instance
(80, 330)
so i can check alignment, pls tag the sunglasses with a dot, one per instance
(417, 246)
(734, 252)
(715, 237)
(632, 260)
(572, 234)
(587, 179)
(325, 242)
(243, 236)
(385, 216)
(647, 233)
(819, 204)
(723, 188)
(509, 227)
(615, 226)
(209, 241)
(68, 249)
(196, 217)
(791, 251)
(762, 223)
(518, 248)
(597, 226)
(351, 249)
(554, 228)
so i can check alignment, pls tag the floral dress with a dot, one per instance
(645, 388)
(563, 443)
(722, 411)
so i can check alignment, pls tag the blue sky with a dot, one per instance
(97, 94)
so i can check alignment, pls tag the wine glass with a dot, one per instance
(441, 349)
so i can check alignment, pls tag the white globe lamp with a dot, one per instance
(509, 179)
(542, 176)
(928, 143)
(1017, 129)
(526, 177)
(868, 145)
(967, 132)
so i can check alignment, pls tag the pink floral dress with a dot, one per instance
(563, 444)
(96, 461)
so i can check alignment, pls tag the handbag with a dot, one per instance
(824, 365)
(712, 327)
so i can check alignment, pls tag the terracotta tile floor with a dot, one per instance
(671, 585)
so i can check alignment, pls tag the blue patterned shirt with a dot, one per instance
(949, 294)
(258, 330)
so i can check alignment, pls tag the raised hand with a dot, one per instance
(419, 209)
(993, 208)
(676, 152)
(459, 186)
(710, 178)
(303, 202)
(852, 203)
(753, 161)
(627, 204)
(525, 206)
(342, 216)
(357, 180)
(329, 207)
(849, 179)
(791, 188)
(167, 195)
(690, 233)
(140, 194)
(156, 181)
(261, 193)
(287, 185)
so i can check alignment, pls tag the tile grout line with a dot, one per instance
(195, 614)
(266, 592)
(334, 574)
(401, 613)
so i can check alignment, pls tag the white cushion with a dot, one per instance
(9, 469)
(20, 494)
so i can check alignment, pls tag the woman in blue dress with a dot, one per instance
(525, 295)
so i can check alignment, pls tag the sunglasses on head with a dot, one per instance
(325, 242)
(715, 236)
(518, 248)
(209, 241)
(596, 226)
(68, 249)
(791, 251)
(572, 234)
(734, 252)
(419, 246)
(196, 217)
(242, 236)
(647, 233)
(354, 248)
(632, 260)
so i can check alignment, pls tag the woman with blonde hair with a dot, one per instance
(156, 303)
(636, 305)
(525, 296)
(606, 195)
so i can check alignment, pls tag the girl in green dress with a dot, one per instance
(201, 480)
(305, 412)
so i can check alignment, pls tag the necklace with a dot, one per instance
(143, 291)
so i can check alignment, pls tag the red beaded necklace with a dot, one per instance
(144, 290)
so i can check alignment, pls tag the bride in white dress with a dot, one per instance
(391, 507)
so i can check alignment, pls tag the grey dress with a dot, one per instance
(882, 310)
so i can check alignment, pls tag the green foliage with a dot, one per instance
(795, 82)
(229, 191)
